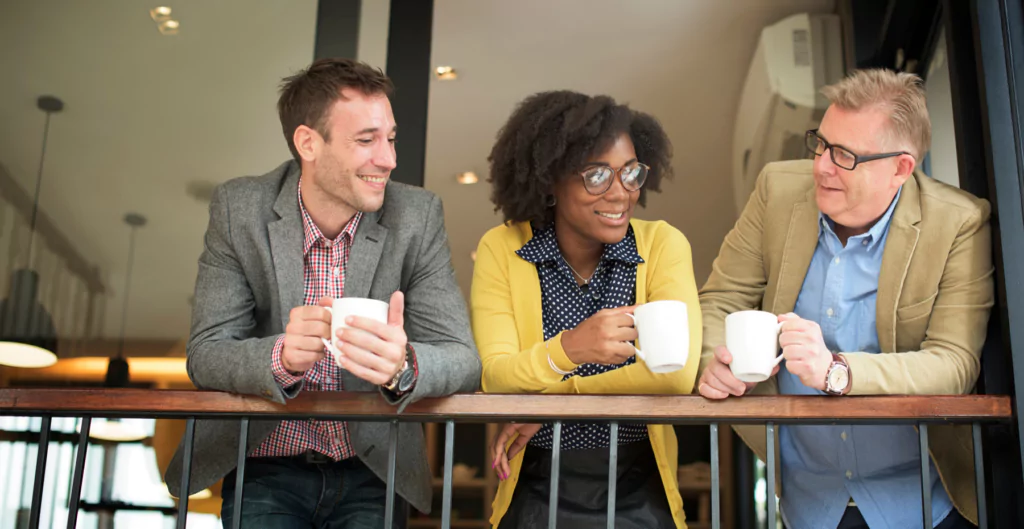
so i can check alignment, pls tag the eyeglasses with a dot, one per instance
(841, 156)
(598, 179)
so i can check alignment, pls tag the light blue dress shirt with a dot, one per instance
(823, 467)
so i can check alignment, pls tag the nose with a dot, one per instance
(384, 157)
(617, 191)
(823, 164)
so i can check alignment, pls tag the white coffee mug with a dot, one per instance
(664, 335)
(752, 337)
(342, 308)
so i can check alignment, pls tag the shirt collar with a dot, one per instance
(873, 235)
(312, 234)
(543, 247)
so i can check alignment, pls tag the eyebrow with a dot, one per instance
(373, 130)
(851, 149)
(605, 164)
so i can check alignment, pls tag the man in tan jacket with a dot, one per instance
(882, 278)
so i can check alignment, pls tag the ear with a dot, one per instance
(308, 143)
(905, 165)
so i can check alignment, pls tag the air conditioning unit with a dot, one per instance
(781, 97)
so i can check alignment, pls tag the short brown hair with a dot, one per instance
(306, 97)
(899, 94)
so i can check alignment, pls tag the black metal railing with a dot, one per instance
(191, 405)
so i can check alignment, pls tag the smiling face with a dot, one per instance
(857, 199)
(352, 168)
(600, 218)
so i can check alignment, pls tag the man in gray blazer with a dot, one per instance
(278, 249)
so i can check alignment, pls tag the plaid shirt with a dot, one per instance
(323, 272)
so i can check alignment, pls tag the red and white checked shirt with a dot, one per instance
(323, 274)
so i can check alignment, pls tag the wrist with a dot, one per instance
(569, 347)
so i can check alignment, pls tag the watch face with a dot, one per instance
(405, 380)
(838, 378)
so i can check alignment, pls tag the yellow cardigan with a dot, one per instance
(508, 326)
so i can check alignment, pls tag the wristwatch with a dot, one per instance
(838, 378)
(406, 377)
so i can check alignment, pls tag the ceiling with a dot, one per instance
(147, 115)
(144, 116)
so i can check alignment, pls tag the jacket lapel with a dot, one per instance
(800, 243)
(899, 249)
(366, 251)
(286, 245)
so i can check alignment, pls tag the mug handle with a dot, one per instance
(327, 343)
(778, 359)
(638, 352)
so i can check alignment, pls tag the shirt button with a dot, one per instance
(337, 270)
(830, 312)
(849, 475)
(865, 242)
(327, 243)
(837, 260)
(843, 435)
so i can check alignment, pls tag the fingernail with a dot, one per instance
(349, 320)
(494, 464)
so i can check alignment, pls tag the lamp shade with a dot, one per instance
(27, 335)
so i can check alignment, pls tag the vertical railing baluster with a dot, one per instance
(716, 517)
(186, 471)
(613, 474)
(449, 455)
(37, 485)
(556, 457)
(389, 501)
(243, 445)
(770, 467)
(979, 477)
(76, 480)
(926, 478)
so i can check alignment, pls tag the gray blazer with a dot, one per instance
(251, 276)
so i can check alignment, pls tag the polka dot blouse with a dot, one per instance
(566, 304)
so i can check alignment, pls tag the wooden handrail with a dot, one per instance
(481, 407)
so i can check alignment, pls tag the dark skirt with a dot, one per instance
(583, 490)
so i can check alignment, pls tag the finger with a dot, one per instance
(619, 352)
(396, 310)
(308, 344)
(369, 361)
(628, 309)
(794, 337)
(620, 320)
(709, 392)
(723, 355)
(623, 334)
(776, 370)
(517, 446)
(372, 376)
(325, 301)
(297, 360)
(503, 467)
(387, 332)
(721, 377)
(372, 343)
(498, 446)
(314, 328)
(788, 317)
(310, 312)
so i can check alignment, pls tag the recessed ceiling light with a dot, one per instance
(469, 177)
(169, 27)
(446, 73)
(159, 14)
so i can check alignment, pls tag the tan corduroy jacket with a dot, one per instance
(935, 292)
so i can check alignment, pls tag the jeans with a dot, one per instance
(303, 492)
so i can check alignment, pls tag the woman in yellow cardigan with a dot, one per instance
(553, 290)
